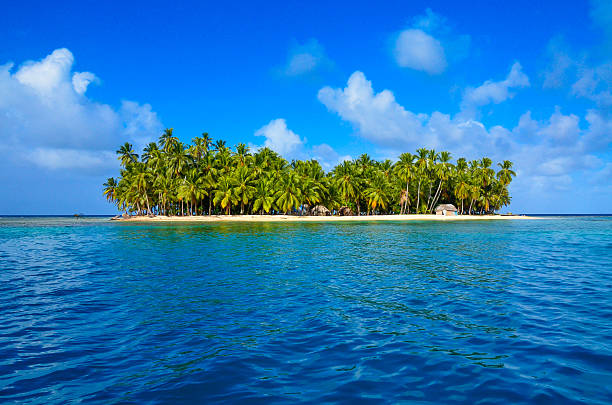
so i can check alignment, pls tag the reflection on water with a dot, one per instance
(443, 312)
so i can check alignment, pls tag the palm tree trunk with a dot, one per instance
(418, 197)
(406, 203)
(209, 206)
(436, 196)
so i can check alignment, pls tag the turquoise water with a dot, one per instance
(471, 312)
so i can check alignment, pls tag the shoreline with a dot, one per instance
(295, 218)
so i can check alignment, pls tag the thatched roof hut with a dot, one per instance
(345, 212)
(446, 209)
(320, 211)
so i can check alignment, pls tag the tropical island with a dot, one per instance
(205, 179)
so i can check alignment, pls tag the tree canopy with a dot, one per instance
(173, 178)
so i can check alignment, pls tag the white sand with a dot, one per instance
(293, 218)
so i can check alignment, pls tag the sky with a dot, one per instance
(527, 81)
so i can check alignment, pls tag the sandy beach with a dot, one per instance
(295, 218)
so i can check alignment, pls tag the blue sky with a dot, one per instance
(509, 80)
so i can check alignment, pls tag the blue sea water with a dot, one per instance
(425, 312)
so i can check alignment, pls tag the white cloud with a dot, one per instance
(305, 58)
(80, 81)
(281, 139)
(376, 116)
(327, 156)
(291, 146)
(495, 92)
(46, 116)
(47, 75)
(547, 154)
(418, 50)
(589, 80)
(429, 44)
(72, 158)
(601, 13)
(594, 84)
(559, 66)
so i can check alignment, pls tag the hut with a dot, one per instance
(320, 211)
(345, 212)
(446, 209)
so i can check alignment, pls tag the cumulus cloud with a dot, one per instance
(594, 84)
(418, 50)
(587, 79)
(290, 145)
(51, 158)
(601, 13)
(560, 64)
(428, 44)
(80, 81)
(281, 139)
(376, 116)
(305, 58)
(495, 92)
(48, 119)
(327, 156)
(546, 153)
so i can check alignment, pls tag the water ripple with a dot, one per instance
(366, 312)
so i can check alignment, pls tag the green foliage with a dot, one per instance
(207, 177)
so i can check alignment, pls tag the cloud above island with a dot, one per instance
(305, 58)
(49, 121)
(428, 44)
(290, 145)
(547, 153)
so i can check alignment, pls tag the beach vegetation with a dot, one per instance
(207, 177)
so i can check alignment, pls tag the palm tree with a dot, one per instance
(242, 155)
(442, 171)
(462, 191)
(422, 163)
(263, 197)
(506, 173)
(288, 194)
(127, 155)
(377, 193)
(224, 193)
(220, 144)
(348, 182)
(404, 169)
(110, 189)
(243, 186)
(167, 140)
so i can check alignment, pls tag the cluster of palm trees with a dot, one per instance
(172, 178)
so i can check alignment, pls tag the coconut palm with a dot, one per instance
(263, 196)
(243, 186)
(404, 170)
(288, 194)
(110, 189)
(377, 193)
(127, 155)
(506, 173)
(224, 193)
(174, 178)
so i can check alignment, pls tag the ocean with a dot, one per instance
(427, 312)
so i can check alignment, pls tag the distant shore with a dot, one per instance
(295, 218)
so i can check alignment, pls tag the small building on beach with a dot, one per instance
(446, 209)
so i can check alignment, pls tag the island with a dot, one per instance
(206, 181)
